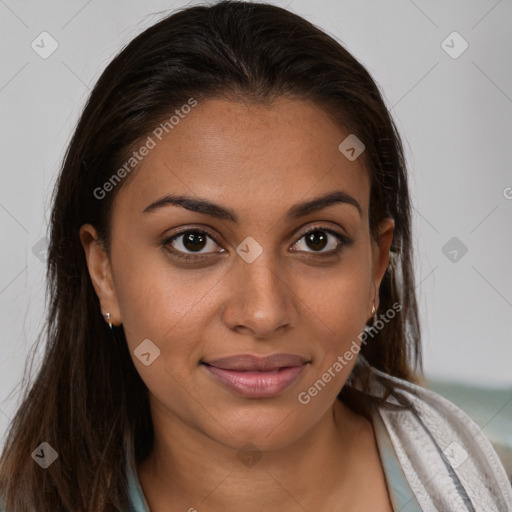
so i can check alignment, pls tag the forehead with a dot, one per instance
(243, 155)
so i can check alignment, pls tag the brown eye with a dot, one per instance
(190, 244)
(194, 241)
(318, 239)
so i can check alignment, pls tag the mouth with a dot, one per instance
(257, 377)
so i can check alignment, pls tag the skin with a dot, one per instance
(258, 161)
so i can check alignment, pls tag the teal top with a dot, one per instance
(401, 494)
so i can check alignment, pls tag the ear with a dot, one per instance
(98, 264)
(380, 255)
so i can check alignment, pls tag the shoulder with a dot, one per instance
(445, 455)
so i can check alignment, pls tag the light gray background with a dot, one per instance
(454, 114)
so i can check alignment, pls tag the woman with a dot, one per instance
(233, 322)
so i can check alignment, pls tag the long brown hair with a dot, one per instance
(87, 400)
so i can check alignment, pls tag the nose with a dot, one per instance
(261, 302)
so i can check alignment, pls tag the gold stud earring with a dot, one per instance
(374, 315)
(108, 318)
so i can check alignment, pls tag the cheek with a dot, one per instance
(339, 306)
(342, 309)
(166, 304)
(150, 296)
(340, 299)
(158, 304)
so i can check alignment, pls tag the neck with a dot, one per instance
(199, 473)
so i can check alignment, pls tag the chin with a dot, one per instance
(264, 431)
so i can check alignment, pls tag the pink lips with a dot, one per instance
(257, 377)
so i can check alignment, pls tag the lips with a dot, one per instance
(257, 377)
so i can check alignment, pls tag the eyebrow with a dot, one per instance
(219, 212)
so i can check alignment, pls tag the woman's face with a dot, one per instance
(252, 281)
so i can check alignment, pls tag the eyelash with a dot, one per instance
(342, 239)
